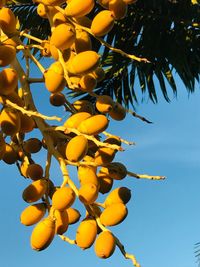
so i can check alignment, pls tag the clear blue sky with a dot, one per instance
(164, 216)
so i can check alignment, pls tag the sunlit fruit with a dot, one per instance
(62, 221)
(10, 121)
(104, 155)
(83, 106)
(33, 214)
(88, 193)
(10, 155)
(113, 214)
(79, 8)
(63, 198)
(105, 245)
(118, 195)
(35, 191)
(87, 174)
(102, 23)
(86, 233)
(77, 148)
(73, 215)
(43, 234)
(74, 120)
(104, 103)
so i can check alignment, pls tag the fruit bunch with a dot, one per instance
(81, 141)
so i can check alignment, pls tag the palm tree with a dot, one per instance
(165, 32)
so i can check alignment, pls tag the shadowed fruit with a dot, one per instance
(118, 112)
(57, 99)
(104, 155)
(115, 170)
(86, 233)
(104, 103)
(10, 121)
(33, 214)
(7, 54)
(82, 42)
(118, 195)
(34, 171)
(2, 146)
(118, 8)
(77, 148)
(43, 234)
(79, 8)
(32, 145)
(8, 81)
(102, 23)
(73, 215)
(105, 183)
(62, 221)
(87, 83)
(83, 106)
(10, 155)
(63, 198)
(88, 193)
(105, 245)
(27, 123)
(35, 191)
(7, 20)
(63, 36)
(93, 125)
(113, 214)
(99, 74)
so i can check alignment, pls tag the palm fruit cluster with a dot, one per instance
(78, 141)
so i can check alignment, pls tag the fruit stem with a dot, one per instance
(137, 116)
(145, 176)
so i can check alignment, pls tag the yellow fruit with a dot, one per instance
(83, 21)
(77, 148)
(104, 103)
(118, 8)
(45, 52)
(76, 119)
(105, 245)
(2, 146)
(113, 214)
(73, 215)
(87, 174)
(43, 234)
(62, 221)
(27, 123)
(7, 54)
(115, 170)
(58, 18)
(63, 36)
(34, 171)
(13, 97)
(83, 106)
(63, 198)
(118, 195)
(118, 112)
(8, 81)
(88, 193)
(33, 214)
(35, 191)
(10, 121)
(84, 63)
(32, 145)
(99, 74)
(104, 155)
(79, 8)
(54, 78)
(7, 20)
(82, 42)
(42, 10)
(10, 155)
(87, 83)
(102, 23)
(105, 183)
(93, 125)
(86, 233)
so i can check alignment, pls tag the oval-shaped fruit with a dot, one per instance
(57, 99)
(63, 198)
(7, 54)
(79, 8)
(58, 18)
(33, 214)
(84, 63)
(77, 148)
(42, 10)
(87, 83)
(73, 215)
(105, 245)
(88, 193)
(118, 195)
(115, 170)
(87, 174)
(86, 233)
(10, 155)
(118, 112)
(8, 81)
(74, 120)
(118, 8)
(10, 121)
(27, 123)
(63, 36)
(35, 191)
(104, 103)
(82, 42)
(105, 183)
(93, 125)
(102, 23)
(32, 145)
(43, 234)
(99, 74)
(7, 20)
(83, 106)
(34, 171)
(62, 221)
(113, 214)
(104, 155)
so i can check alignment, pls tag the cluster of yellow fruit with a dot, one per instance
(77, 141)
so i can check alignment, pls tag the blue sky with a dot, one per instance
(164, 216)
